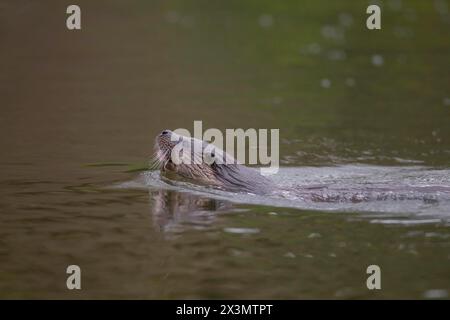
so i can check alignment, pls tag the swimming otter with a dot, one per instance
(207, 164)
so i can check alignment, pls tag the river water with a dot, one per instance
(364, 144)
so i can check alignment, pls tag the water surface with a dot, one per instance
(363, 113)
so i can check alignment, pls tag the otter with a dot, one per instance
(204, 163)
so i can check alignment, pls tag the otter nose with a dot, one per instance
(165, 132)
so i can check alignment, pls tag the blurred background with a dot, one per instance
(79, 110)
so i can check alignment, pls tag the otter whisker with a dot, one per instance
(155, 161)
(159, 158)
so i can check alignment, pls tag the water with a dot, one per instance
(420, 192)
(364, 123)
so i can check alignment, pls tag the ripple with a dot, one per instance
(406, 222)
(435, 294)
(242, 230)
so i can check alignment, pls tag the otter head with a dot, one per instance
(200, 161)
(188, 157)
(164, 143)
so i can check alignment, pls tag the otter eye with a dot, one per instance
(213, 154)
(165, 132)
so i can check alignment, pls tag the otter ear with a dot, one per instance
(207, 141)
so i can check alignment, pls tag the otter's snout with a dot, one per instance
(165, 133)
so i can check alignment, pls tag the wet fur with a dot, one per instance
(226, 174)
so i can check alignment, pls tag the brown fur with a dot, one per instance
(225, 172)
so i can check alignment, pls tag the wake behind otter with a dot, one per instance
(349, 188)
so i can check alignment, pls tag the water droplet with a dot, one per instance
(314, 48)
(277, 100)
(333, 32)
(314, 235)
(325, 83)
(377, 60)
(265, 21)
(350, 82)
(290, 255)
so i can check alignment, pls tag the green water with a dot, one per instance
(77, 104)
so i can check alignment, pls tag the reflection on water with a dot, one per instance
(360, 114)
(172, 210)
